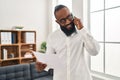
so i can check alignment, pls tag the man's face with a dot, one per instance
(65, 20)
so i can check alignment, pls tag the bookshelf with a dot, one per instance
(14, 47)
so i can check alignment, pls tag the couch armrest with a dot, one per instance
(50, 71)
(35, 73)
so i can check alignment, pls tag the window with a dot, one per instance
(105, 27)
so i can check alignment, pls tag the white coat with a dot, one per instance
(71, 50)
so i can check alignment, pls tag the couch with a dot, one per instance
(24, 72)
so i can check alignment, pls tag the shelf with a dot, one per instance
(28, 31)
(28, 47)
(9, 45)
(27, 58)
(10, 59)
(24, 50)
(27, 61)
(28, 43)
(9, 30)
(14, 44)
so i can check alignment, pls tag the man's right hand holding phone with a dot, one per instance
(40, 66)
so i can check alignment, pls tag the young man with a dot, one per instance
(68, 44)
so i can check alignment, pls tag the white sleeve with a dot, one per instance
(91, 45)
(49, 50)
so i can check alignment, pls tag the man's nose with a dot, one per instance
(67, 21)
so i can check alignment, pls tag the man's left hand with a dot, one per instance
(78, 23)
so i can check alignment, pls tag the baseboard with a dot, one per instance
(101, 76)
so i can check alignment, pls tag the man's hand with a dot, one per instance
(78, 23)
(40, 66)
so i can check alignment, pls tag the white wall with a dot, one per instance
(32, 14)
(50, 15)
(80, 10)
(77, 8)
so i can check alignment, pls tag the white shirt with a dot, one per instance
(71, 50)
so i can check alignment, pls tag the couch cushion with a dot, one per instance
(35, 74)
(15, 72)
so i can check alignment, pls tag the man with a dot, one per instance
(68, 44)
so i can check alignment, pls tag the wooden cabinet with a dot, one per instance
(14, 47)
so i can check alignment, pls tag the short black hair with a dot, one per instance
(58, 7)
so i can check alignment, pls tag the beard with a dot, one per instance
(67, 31)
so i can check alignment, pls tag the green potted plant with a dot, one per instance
(43, 47)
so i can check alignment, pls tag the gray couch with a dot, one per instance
(24, 72)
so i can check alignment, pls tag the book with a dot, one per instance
(13, 38)
(4, 54)
(6, 38)
(2, 37)
(9, 38)
(29, 37)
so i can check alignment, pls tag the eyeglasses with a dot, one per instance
(69, 17)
